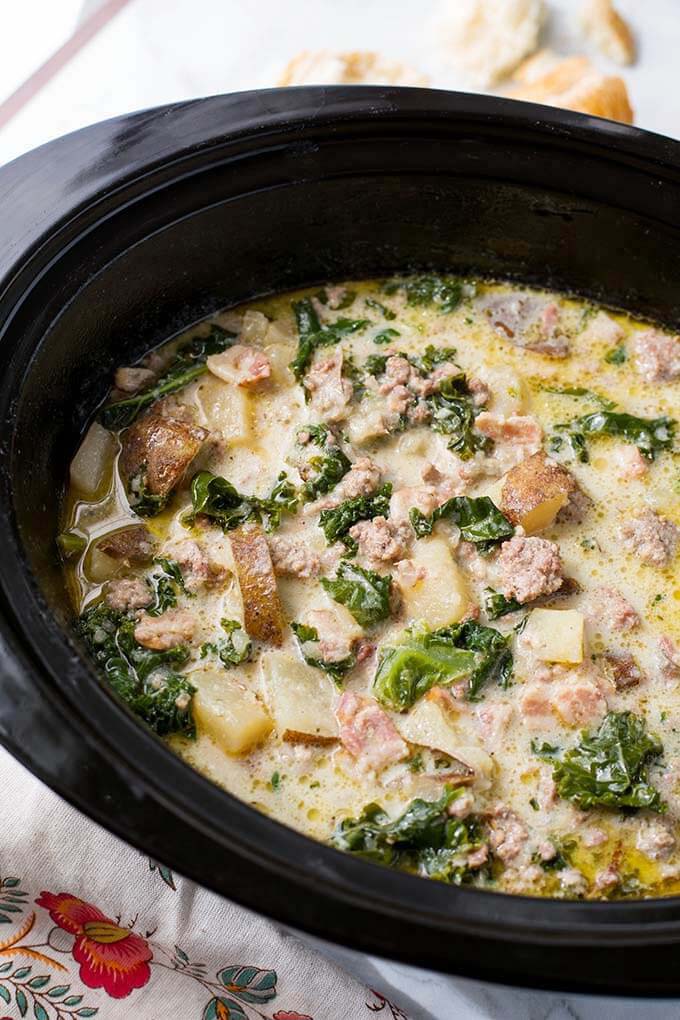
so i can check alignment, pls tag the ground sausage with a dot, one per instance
(197, 568)
(657, 356)
(292, 558)
(651, 537)
(132, 380)
(529, 567)
(242, 365)
(609, 606)
(508, 834)
(655, 839)
(331, 394)
(130, 545)
(382, 540)
(171, 628)
(367, 732)
(128, 593)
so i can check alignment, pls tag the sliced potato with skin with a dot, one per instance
(555, 635)
(227, 713)
(440, 596)
(300, 700)
(535, 491)
(431, 724)
(262, 612)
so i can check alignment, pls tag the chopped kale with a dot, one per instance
(216, 498)
(498, 605)
(308, 641)
(313, 335)
(386, 312)
(453, 414)
(650, 435)
(365, 593)
(189, 364)
(564, 848)
(386, 336)
(337, 521)
(494, 658)
(232, 650)
(609, 767)
(375, 364)
(582, 392)
(479, 519)
(443, 291)
(432, 357)
(424, 839)
(323, 471)
(616, 356)
(143, 502)
(166, 585)
(144, 679)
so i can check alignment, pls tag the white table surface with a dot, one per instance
(160, 51)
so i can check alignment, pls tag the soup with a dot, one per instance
(396, 563)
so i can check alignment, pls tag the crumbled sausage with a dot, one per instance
(292, 558)
(623, 670)
(197, 568)
(529, 567)
(331, 394)
(129, 545)
(382, 540)
(171, 628)
(368, 733)
(629, 462)
(523, 430)
(239, 364)
(651, 537)
(655, 839)
(362, 479)
(668, 658)
(578, 701)
(158, 451)
(128, 593)
(528, 321)
(132, 380)
(609, 606)
(508, 834)
(657, 356)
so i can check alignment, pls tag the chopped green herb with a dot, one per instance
(216, 498)
(275, 781)
(337, 521)
(479, 519)
(444, 292)
(534, 804)
(581, 391)
(616, 356)
(424, 839)
(386, 336)
(312, 335)
(609, 767)
(308, 641)
(562, 858)
(375, 364)
(416, 763)
(189, 364)
(498, 605)
(166, 584)
(365, 593)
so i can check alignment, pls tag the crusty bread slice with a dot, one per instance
(606, 29)
(326, 67)
(572, 83)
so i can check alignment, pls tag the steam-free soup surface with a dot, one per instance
(396, 563)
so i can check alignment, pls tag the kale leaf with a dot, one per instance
(582, 392)
(308, 639)
(219, 500)
(431, 357)
(609, 767)
(375, 364)
(616, 356)
(424, 839)
(443, 291)
(479, 519)
(494, 658)
(365, 593)
(650, 435)
(386, 336)
(337, 521)
(498, 605)
(386, 312)
(189, 364)
(420, 660)
(144, 679)
(323, 472)
(453, 414)
(166, 586)
(232, 650)
(313, 335)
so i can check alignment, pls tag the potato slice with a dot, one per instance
(300, 699)
(432, 725)
(92, 463)
(440, 597)
(262, 612)
(228, 409)
(228, 714)
(535, 491)
(555, 635)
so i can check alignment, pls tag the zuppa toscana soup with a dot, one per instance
(396, 563)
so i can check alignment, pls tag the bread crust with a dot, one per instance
(605, 28)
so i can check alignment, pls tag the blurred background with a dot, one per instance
(67, 63)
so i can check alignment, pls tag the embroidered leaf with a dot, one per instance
(39, 982)
(9, 883)
(5, 967)
(181, 954)
(73, 1000)
(40, 1012)
(250, 983)
(223, 1009)
(4, 993)
(4, 919)
(21, 973)
(87, 1011)
(58, 991)
(11, 908)
(22, 1002)
(165, 873)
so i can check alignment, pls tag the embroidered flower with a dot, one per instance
(110, 957)
(284, 1014)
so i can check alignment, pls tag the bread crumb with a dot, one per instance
(325, 67)
(572, 83)
(486, 39)
(607, 30)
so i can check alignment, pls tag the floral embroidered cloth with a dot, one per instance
(91, 928)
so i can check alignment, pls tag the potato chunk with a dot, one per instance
(431, 724)
(93, 460)
(262, 612)
(555, 635)
(160, 450)
(228, 714)
(228, 409)
(300, 699)
(438, 593)
(535, 491)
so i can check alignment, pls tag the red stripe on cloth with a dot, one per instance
(59, 59)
